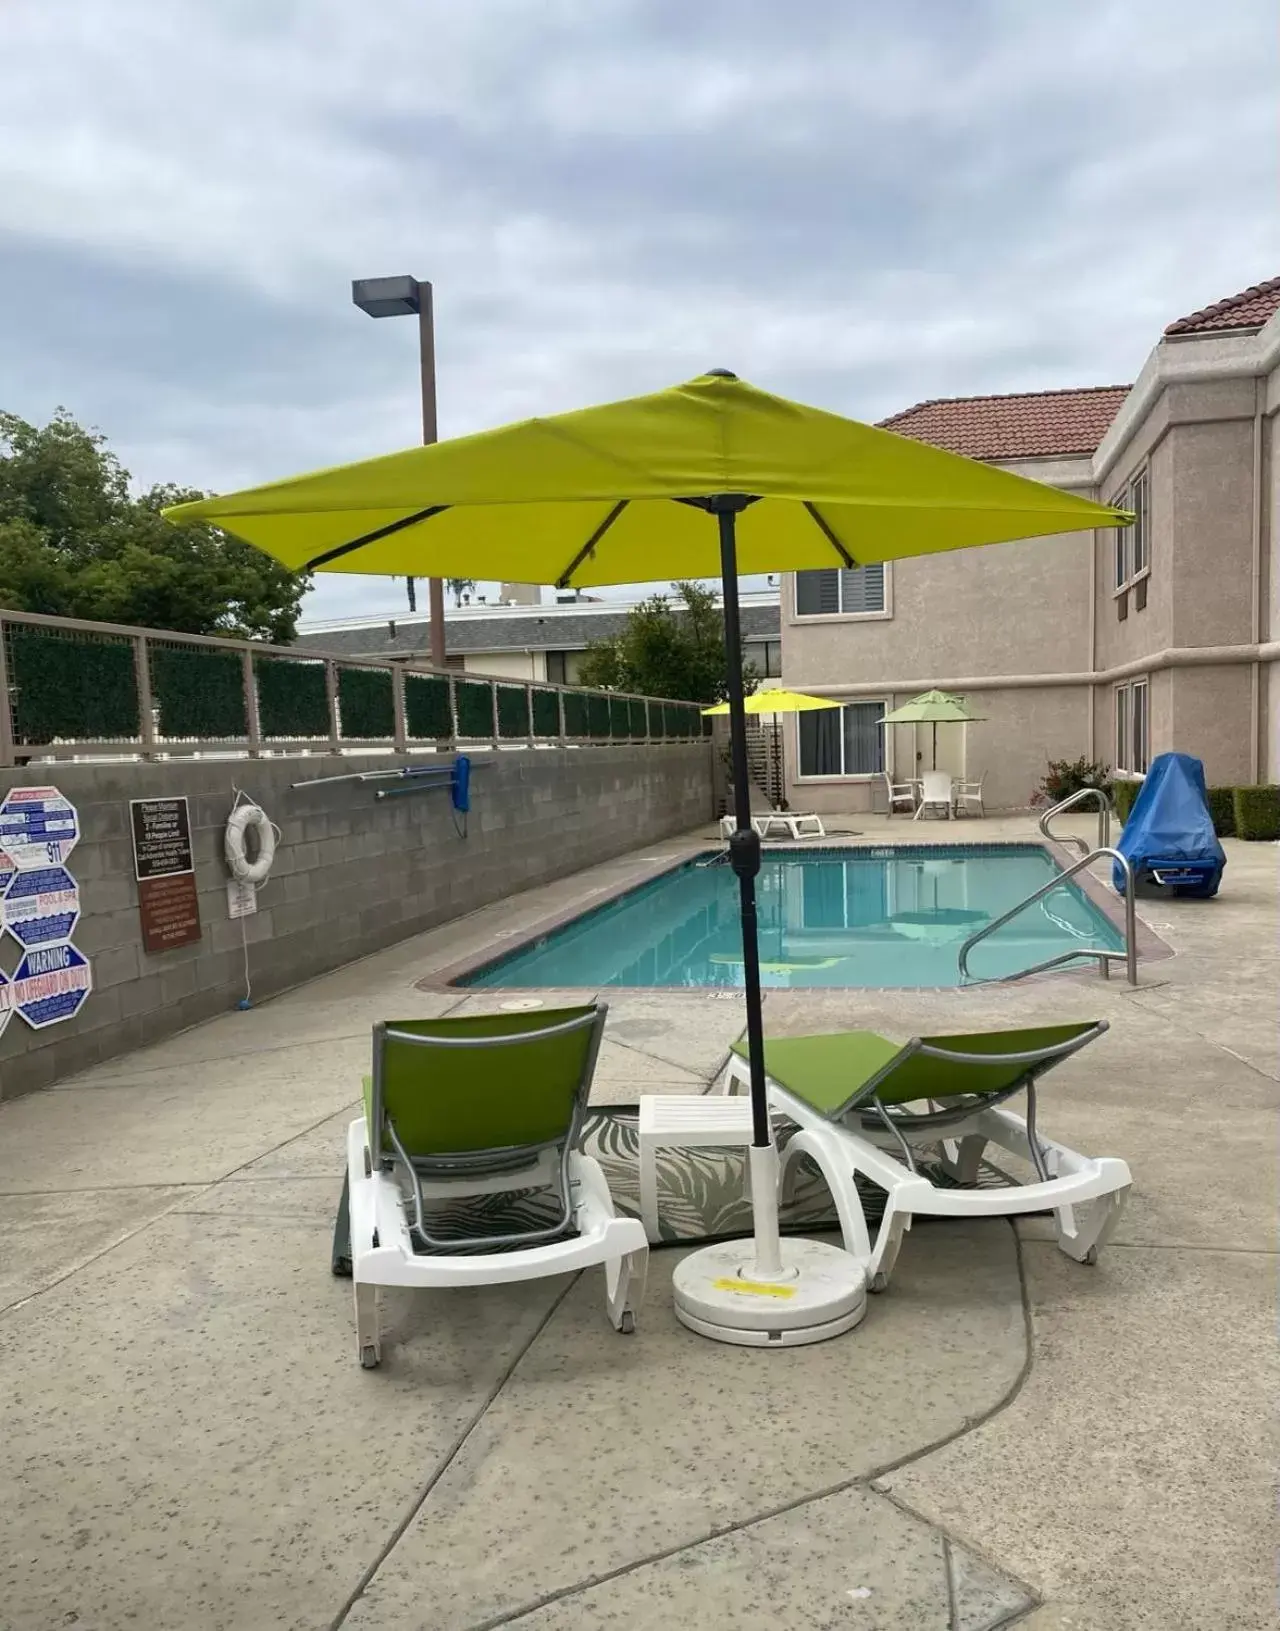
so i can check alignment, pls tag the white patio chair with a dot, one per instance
(900, 793)
(935, 793)
(967, 794)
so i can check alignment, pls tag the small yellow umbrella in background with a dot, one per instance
(777, 702)
(713, 478)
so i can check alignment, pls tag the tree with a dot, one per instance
(458, 587)
(74, 542)
(666, 651)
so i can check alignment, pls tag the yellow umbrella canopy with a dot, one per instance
(627, 493)
(595, 497)
(776, 702)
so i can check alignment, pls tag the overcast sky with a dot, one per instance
(850, 202)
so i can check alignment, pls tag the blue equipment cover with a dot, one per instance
(1169, 836)
(460, 788)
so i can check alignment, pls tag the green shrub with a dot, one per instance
(1067, 776)
(1222, 807)
(1123, 795)
(1257, 812)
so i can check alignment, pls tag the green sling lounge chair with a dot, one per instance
(866, 1106)
(484, 1104)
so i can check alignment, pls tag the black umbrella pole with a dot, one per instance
(744, 846)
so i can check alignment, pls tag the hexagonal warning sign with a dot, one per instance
(42, 907)
(38, 827)
(51, 984)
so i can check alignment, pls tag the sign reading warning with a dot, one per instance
(50, 985)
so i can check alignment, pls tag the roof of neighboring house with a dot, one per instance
(1026, 425)
(525, 628)
(1249, 309)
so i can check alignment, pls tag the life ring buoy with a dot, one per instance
(243, 819)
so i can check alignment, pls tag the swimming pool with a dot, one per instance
(830, 917)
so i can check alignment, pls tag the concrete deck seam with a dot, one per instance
(948, 1575)
(868, 1480)
(448, 1459)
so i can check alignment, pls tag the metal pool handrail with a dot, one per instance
(1104, 819)
(1105, 958)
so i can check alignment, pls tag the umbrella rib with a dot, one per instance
(829, 535)
(562, 582)
(372, 537)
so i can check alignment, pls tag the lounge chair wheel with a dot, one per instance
(369, 1357)
(1091, 1256)
(878, 1282)
(627, 1324)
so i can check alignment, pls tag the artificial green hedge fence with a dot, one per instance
(1257, 813)
(546, 713)
(366, 705)
(475, 709)
(292, 700)
(639, 720)
(78, 688)
(513, 710)
(598, 717)
(199, 691)
(576, 721)
(427, 716)
(619, 718)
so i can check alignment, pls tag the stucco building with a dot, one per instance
(1111, 646)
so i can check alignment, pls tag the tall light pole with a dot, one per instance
(402, 297)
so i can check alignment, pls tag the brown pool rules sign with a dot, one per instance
(165, 869)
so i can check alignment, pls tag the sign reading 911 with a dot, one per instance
(38, 827)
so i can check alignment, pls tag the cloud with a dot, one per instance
(857, 205)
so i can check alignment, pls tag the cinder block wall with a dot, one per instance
(351, 873)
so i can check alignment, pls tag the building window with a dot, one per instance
(848, 741)
(458, 664)
(765, 656)
(859, 592)
(1133, 543)
(1133, 728)
(557, 670)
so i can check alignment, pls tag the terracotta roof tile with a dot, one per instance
(1029, 425)
(1249, 309)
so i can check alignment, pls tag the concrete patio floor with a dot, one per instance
(187, 1441)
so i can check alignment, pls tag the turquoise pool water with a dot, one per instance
(833, 917)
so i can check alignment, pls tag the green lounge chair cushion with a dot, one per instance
(447, 1101)
(829, 1072)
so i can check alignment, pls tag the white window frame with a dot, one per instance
(807, 619)
(844, 777)
(1135, 495)
(1131, 723)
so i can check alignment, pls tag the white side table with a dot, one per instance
(690, 1121)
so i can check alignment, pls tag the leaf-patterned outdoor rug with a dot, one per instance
(702, 1192)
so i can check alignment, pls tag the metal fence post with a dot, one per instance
(497, 729)
(146, 706)
(528, 712)
(560, 706)
(331, 694)
(6, 700)
(400, 728)
(252, 718)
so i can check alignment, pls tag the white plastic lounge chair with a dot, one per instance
(967, 794)
(794, 824)
(481, 1105)
(901, 794)
(935, 793)
(850, 1095)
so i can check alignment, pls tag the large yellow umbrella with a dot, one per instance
(628, 493)
(777, 702)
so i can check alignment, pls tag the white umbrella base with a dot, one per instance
(821, 1293)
